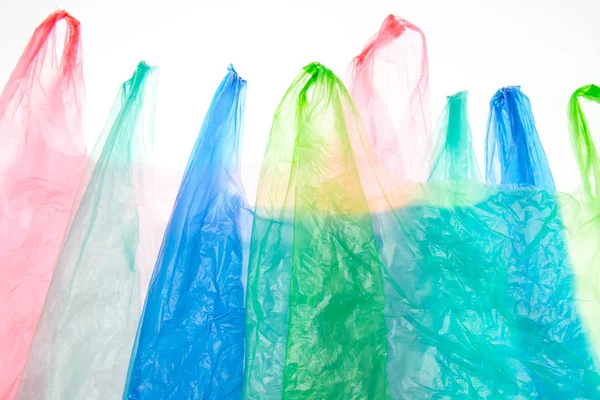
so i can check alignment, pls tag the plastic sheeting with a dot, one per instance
(86, 332)
(514, 152)
(42, 161)
(190, 343)
(314, 307)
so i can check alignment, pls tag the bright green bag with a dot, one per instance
(581, 215)
(314, 322)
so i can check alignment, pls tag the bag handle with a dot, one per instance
(391, 29)
(514, 152)
(582, 142)
(394, 104)
(70, 62)
(454, 158)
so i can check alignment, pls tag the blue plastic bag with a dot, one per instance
(190, 342)
(514, 153)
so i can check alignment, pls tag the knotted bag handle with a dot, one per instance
(70, 63)
(389, 139)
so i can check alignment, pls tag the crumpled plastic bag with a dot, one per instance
(314, 307)
(190, 342)
(514, 153)
(43, 159)
(479, 288)
(87, 328)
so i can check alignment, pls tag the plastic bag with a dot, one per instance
(389, 83)
(479, 289)
(314, 304)
(514, 152)
(42, 161)
(581, 213)
(190, 342)
(86, 332)
(455, 159)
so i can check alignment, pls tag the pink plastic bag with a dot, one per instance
(41, 165)
(389, 84)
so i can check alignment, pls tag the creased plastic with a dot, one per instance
(480, 297)
(87, 328)
(41, 164)
(479, 289)
(314, 307)
(514, 153)
(389, 83)
(190, 342)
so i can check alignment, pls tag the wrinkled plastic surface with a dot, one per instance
(190, 342)
(514, 153)
(389, 83)
(479, 290)
(87, 328)
(42, 161)
(480, 303)
(314, 307)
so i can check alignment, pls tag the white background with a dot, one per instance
(549, 47)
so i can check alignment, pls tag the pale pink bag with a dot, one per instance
(42, 158)
(389, 83)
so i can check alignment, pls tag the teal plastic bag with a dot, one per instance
(479, 289)
(84, 338)
(454, 156)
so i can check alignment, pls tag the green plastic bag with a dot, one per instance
(581, 215)
(314, 324)
(84, 337)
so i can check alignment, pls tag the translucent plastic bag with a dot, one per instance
(87, 328)
(190, 343)
(389, 83)
(514, 152)
(581, 213)
(455, 159)
(314, 306)
(42, 161)
(479, 289)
